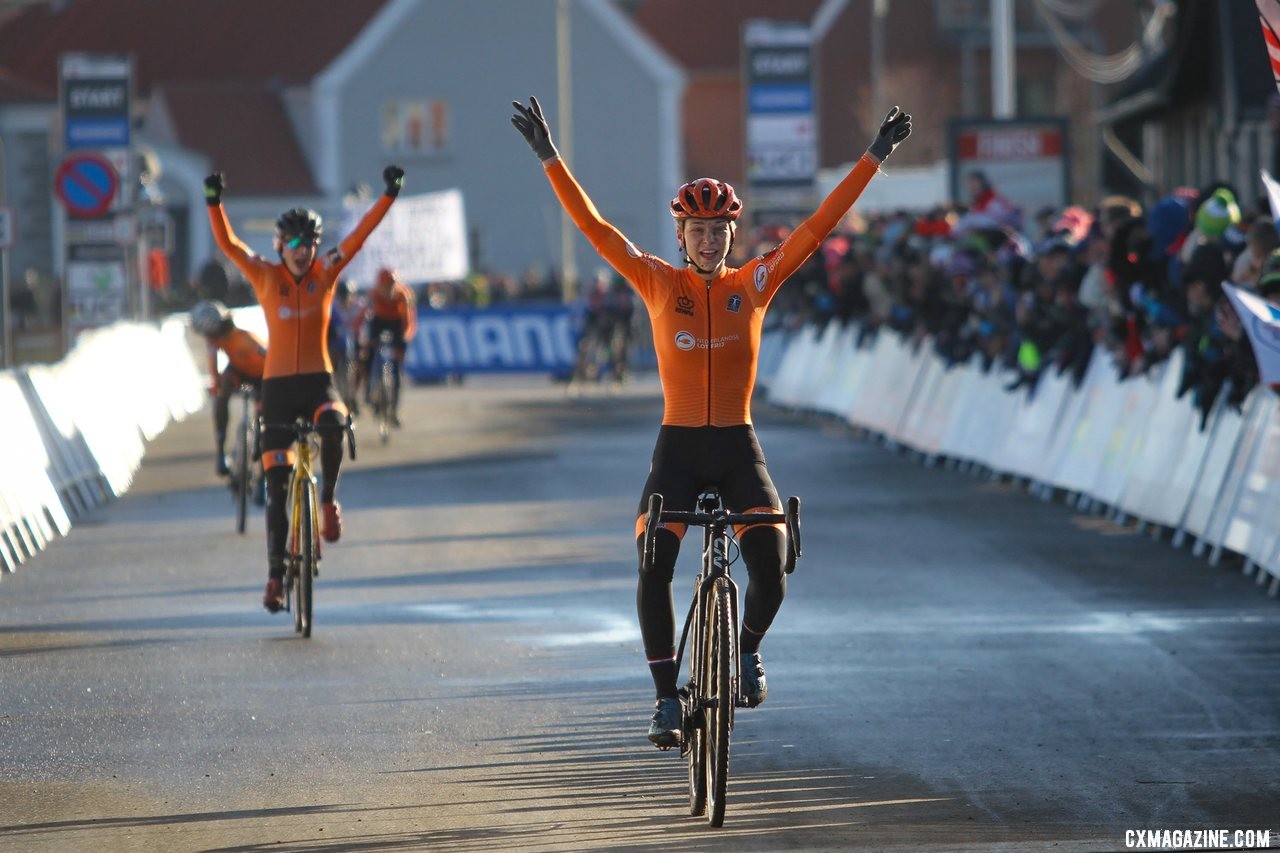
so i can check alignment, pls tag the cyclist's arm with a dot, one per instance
(234, 248)
(409, 313)
(804, 240)
(211, 352)
(338, 258)
(635, 266)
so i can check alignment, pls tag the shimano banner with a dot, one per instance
(523, 338)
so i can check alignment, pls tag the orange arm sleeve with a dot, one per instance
(353, 241)
(235, 250)
(802, 242)
(612, 244)
(410, 308)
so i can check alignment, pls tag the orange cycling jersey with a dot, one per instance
(246, 353)
(707, 334)
(394, 304)
(297, 312)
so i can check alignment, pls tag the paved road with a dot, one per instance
(957, 666)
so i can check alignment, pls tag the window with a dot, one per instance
(415, 127)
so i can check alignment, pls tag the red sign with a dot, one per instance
(86, 184)
(1008, 144)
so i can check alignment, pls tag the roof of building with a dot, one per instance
(706, 36)
(243, 129)
(220, 65)
(171, 40)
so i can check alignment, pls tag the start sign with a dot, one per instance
(86, 184)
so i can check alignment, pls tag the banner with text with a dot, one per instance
(423, 237)
(517, 338)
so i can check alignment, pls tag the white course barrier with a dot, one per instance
(73, 433)
(1132, 447)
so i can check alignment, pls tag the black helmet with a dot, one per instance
(299, 222)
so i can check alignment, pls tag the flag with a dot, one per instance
(1273, 194)
(1269, 17)
(1261, 321)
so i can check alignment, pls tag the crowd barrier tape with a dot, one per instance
(1132, 448)
(75, 432)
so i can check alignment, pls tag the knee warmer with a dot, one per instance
(764, 550)
(666, 548)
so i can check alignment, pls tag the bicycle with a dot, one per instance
(302, 565)
(246, 462)
(382, 384)
(709, 697)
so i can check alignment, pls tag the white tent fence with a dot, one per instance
(1129, 448)
(72, 434)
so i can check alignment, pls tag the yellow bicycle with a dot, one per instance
(303, 511)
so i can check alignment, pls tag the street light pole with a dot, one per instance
(1002, 59)
(564, 91)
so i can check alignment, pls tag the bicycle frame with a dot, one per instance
(712, 693)
(302, 495)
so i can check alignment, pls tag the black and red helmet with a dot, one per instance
(706, 198)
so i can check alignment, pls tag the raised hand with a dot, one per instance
(393, 177)
(533, 127)
(213, 186)
(895, 128)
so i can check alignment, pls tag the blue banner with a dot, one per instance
(780, 98)
(515, 338)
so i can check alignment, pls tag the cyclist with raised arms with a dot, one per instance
(390, 307)
(246, 357)
(706, 332)
(296, 294)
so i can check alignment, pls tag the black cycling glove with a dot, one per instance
(895, 128)
(213, 189)
(533, 127)
(393, 177)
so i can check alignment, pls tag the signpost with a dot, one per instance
(86, 184)
(781, 132)
(93, 185)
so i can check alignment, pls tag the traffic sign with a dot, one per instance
(86, 184)
(6, 227)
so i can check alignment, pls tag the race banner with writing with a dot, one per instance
(423, 237)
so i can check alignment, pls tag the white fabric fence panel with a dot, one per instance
(74, 433)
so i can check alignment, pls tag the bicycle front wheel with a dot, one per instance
(308, 553)
(719, 713)
(244, 452)
(387, 381)
(698, 767)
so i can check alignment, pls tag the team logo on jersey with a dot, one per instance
(735, 302)
(684, 305)
(762, 277)
(685, 341)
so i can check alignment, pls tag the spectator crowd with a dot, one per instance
(1028, 295)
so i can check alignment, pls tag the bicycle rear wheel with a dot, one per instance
(719, 712)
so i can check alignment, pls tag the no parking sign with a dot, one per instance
(86, 184)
